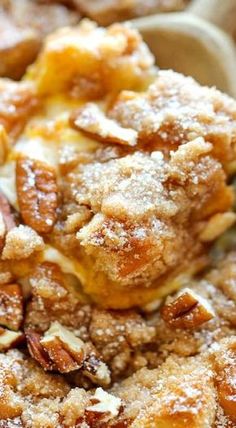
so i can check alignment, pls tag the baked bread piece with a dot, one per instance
(131, 186)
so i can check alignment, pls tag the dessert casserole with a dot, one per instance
(118, 268)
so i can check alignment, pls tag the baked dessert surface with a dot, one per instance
(114, 183)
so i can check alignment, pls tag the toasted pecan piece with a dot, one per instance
(217, 225)
(50, 354)
(63, 361)
(93, 122)
(18, 48)
(71, 343)
(188, 310)
(104, 404)
(37, 194)
(11, 306)
(96, 370)
(59, 349)
(36, 350)
(9, 338)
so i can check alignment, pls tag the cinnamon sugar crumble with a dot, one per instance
(121, 214)
(21, 242)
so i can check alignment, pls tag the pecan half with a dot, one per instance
(37, 193)
(188, 310)
(11, 306)
(93, 122)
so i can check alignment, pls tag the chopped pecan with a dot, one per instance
(61, 350)
(62, 360)
(72, 344)
(36, 350)
(93, 122)
(9, 339)
(96, 370)
(188, 310)
(105, 404)
(11, 306)
(63, 347)
(37, 194)
(217, 225)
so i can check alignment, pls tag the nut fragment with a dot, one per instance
(11, 306)
(96, 370)
(64, 349)
(91, 120)
(59, 349)
(37, 194)
(36, 350)
(62, 360)
(217, 225)
(188, 310)
(69, 353)
(21, 242)
(105, 403)
(69, 341)
(9, 339)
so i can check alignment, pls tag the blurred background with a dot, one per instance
(193, 37)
